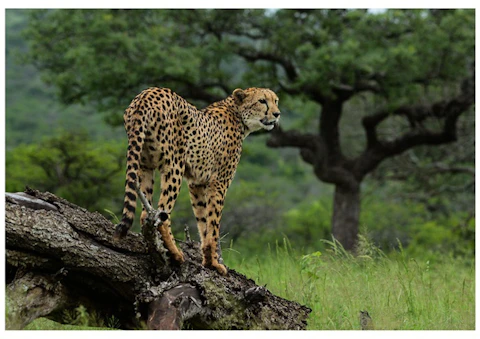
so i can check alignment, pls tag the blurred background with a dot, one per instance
(377, 132)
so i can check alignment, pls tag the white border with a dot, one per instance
(211, 4)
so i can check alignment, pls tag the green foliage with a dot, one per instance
(311, 264)
(454, 235)
(44, 324)
(308, 223)
(417, 228)
(79, 59)
(32, 109)
(69, 165)
(182, 48)
(80, 316)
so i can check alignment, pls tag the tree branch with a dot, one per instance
(292, 138)
(449, 111)
(176, 306)
(251, 55)
(443, 168)
(426, 172)
(194, 91)
(361, 85)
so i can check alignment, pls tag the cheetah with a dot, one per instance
(168, 134)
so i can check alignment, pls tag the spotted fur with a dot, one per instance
(167, 133)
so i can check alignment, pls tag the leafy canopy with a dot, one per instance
(107, 56)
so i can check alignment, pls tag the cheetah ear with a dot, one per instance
(239, 95)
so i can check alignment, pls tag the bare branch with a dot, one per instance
(192, 90)
(174, 307)
(443, 168)
(292, 138)
(251, 55)
(149, 231)
(308, 156)
(428, 171)
(449, 111)
(361, 85)
(143, 199)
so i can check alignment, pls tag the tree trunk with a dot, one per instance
(60, 256)
(346, 213)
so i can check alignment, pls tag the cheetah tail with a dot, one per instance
(135, 144)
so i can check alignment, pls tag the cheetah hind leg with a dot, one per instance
(146, 177)
(210, 243)
(163, 226)
(171, 181)
(199, 205)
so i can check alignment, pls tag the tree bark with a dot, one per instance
(60, 256)
(346, 214)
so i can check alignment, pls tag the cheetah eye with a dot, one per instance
(262, 101)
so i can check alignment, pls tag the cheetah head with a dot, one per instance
(258, 108)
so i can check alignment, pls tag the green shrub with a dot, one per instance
(87, 173)
(308, 223)
(451, 235)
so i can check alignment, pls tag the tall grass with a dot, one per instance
(400, 293)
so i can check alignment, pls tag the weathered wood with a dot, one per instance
(122, 279)
(31, 296)
(176, 305)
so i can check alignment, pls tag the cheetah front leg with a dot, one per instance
(215, 197)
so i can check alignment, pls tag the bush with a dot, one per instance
(411, 224)
(387, 221)
(308, 223)
(454, 235)
(71, 166)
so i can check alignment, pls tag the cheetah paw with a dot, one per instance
(220, 269)
(178, 257)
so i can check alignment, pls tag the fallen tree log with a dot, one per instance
(60, 256)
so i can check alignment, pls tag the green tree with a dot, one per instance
(32, 109)
(414, 68)
(71, 166)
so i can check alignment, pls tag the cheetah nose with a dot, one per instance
(276, 115)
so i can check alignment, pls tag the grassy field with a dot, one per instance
(400, 293)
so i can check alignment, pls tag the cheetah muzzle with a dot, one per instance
(269, 125)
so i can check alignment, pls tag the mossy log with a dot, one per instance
(60, 256)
